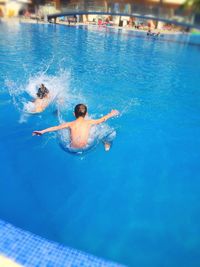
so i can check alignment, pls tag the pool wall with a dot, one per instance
(31, 250)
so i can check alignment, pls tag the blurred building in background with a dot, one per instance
(164, 9)
(10, 8)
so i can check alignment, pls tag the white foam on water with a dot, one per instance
(98, 133)
(58, 85)
(129, 105)
(64, 98)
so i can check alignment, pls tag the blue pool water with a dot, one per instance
(138, 204)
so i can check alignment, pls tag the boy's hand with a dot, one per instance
(37, 133)
(114, 113)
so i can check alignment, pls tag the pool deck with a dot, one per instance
(5, 262)
(20, 248)
(125, 28)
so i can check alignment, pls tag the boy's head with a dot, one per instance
(42, 86)
(80, 110)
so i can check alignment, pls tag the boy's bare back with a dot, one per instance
(80, 128)
(79, 132)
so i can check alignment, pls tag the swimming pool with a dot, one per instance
(138, 204)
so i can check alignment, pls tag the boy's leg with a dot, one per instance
(108, 139)
(107, 146)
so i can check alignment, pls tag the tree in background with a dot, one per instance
(193, 4)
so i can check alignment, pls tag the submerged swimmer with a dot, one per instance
(80, 128)
(42, 99)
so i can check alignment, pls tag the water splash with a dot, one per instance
(63, 97)
(98, 134)
(58, 85)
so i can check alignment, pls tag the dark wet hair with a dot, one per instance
(80, 110)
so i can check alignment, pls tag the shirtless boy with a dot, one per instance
(42, 100)
(80, 128)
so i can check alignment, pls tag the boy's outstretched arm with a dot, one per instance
(52, 129)
(113, 113)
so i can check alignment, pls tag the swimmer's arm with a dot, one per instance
(113, 113)
(52, 129)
